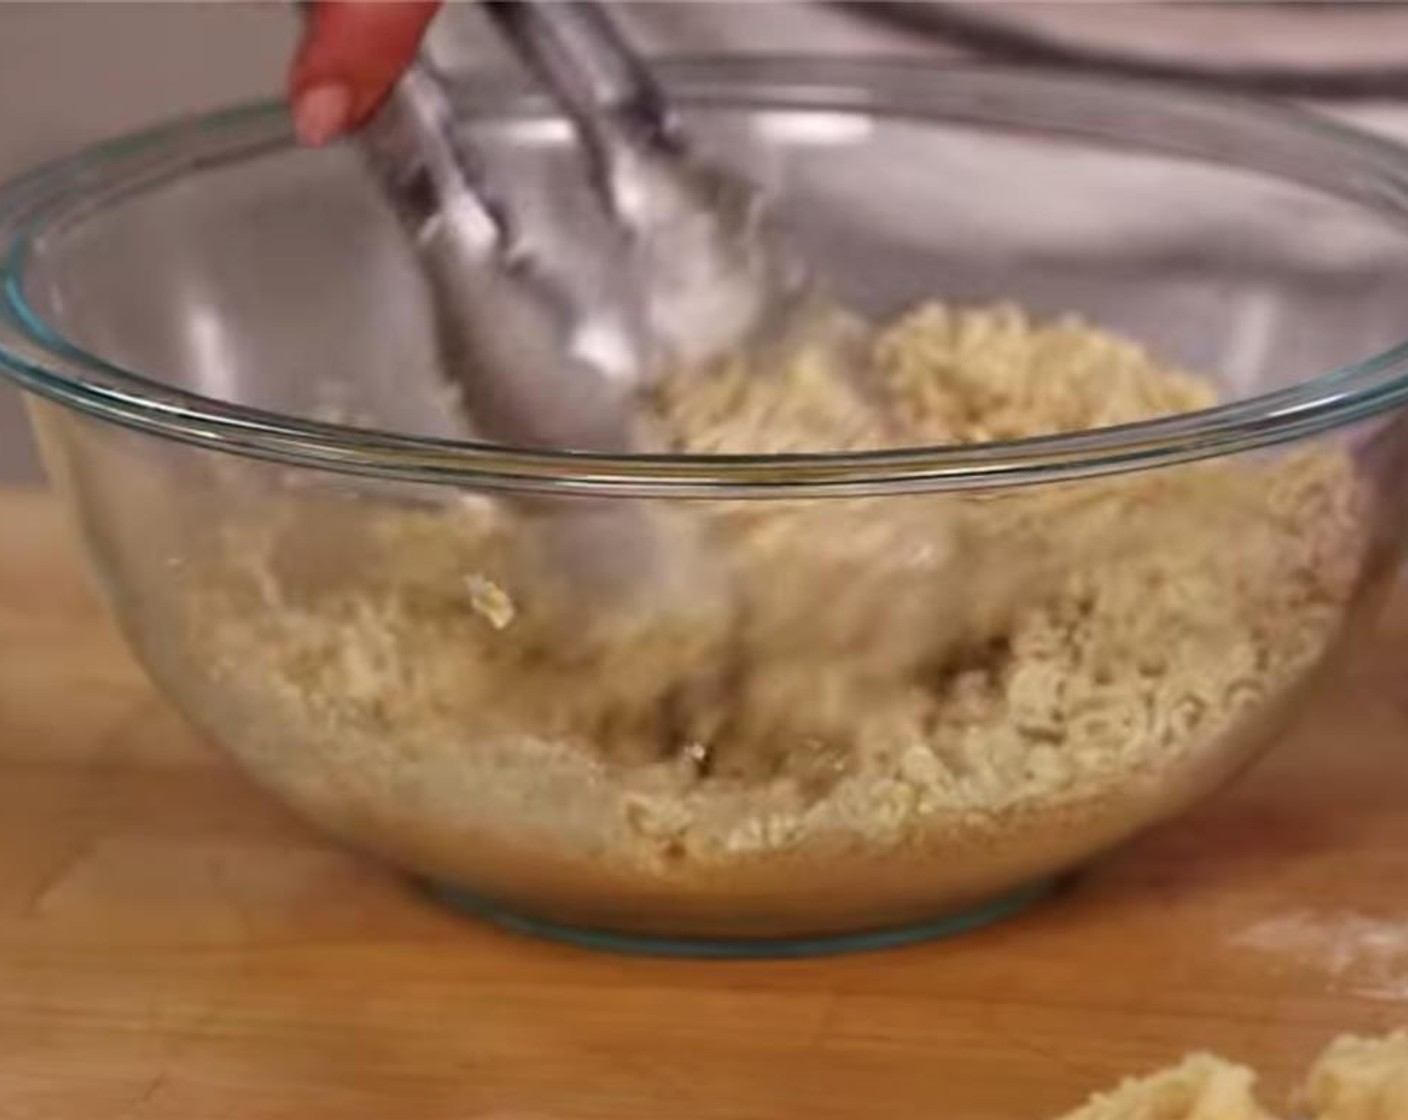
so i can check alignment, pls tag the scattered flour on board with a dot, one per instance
(1359, 954)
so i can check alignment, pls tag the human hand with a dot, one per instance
(350, 56)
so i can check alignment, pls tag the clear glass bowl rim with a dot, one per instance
(43, 362)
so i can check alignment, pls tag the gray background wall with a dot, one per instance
(74, 73)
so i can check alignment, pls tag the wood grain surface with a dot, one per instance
(174, 945)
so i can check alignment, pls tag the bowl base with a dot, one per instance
(705, 948)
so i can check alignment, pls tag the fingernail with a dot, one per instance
(322, 113)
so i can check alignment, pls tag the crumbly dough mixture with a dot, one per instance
(1015, 676)
(1355, 1079)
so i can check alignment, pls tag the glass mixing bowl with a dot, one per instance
(901, 691)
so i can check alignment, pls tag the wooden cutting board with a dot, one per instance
(174, 945)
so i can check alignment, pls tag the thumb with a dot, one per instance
(350, 56)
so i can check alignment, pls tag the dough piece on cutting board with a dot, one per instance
(1354, 1079)
(1360, 1079)
(1203, 1087)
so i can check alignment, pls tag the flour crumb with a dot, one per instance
(490, 601)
